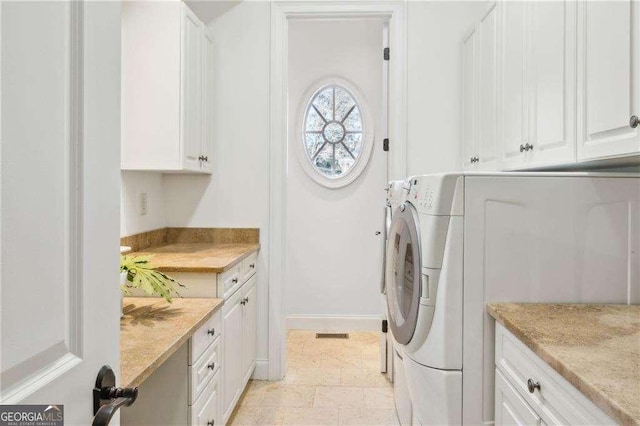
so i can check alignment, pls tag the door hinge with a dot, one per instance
(385, 326)
(385, 53)
(385, 144)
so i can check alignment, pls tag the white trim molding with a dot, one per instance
(394, 12)
(344, 323)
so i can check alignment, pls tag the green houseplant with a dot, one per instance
(141, 273)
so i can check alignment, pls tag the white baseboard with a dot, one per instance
(262, 370)
(334, 323)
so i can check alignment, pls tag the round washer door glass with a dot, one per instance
(403, 273)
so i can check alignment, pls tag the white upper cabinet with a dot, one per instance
(479, 148)
(166, 88)
(487, 96)
(608, 79)
(552, 67)
(469, 100)
(537, 74)
(512, 120)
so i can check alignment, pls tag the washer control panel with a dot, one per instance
(433, 194)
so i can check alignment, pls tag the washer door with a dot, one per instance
(403, 273)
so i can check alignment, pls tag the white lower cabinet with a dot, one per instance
(239, 354)
(529, 392)
(205, 410)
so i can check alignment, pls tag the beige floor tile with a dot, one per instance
(304, 360)
(257, 416)
(339, 397)
(311, 416)
(287, 395)
(368, 417)
(362, 377)
(381, 397)
(313, 376)
(340, 360)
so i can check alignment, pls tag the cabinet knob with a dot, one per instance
(211, 366)
(253, 265)
(246, 299)
(532, 386)
(242, 302)
(634, 121)
(522, 148)
(234, 280)
(211, 423)
(211, 331)
(206, 158)
(528, 147)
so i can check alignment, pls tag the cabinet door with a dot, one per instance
(191, 93)
(207, 101)
(608, 78)
(510, 407)
(469, 99)
(552, 80)
(205, 410)
(487, 105)
(232, 323)
(512, 119)
(250, 328)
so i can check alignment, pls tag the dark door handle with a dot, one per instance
(107, 398)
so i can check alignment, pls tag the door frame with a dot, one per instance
(282, 12)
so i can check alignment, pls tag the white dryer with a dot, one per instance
(462, 240)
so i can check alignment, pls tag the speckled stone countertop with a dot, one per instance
(152, 330)
(198, 257)
(594, 347)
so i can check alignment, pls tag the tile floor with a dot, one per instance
(329, 382)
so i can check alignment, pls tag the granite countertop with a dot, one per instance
(594, 347)
(152, 330)
(198, 257)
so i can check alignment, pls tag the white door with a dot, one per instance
(487, 151)
(191, 103)
(207, 101)
(608, 78)
(512, 119)
(335, 79)
(250, 327)
(552, 84)
(60, 306)
(469, 100)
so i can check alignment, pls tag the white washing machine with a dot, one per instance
(390, 354)
(462, 240)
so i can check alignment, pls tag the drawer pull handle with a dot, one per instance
(253, 265)
(211, 331)
(235, 280)
(211, 366)
(211, 423)
(532, 386)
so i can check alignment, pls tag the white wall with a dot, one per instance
(237, 194)
(133, 184)
(434, 36)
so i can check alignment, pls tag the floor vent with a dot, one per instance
(332, 335)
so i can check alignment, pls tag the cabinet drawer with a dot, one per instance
(205, 335)
(204, 368)
(556, 401)
(230, 280)
(248, 266)
(205, 410)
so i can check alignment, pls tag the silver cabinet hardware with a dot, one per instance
(378, 232)
(204, 158)
(235, 280)
(211, 366)
(528, 147)
(474, 159)
(242, 302)
(211, 331)
(634, 121)
(532, 386)
(252, 266)
(211, 423)
(522, 148)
